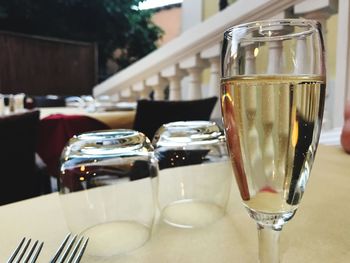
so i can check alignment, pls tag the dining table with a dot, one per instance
(319, 231)
(116, 119)
(59, 124)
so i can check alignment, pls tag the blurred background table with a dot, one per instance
(113, 119)
(59, 124)
(319, 232)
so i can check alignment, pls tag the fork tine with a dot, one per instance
(26, 259)
(74, 251)
(71, 250)
(81, 252)
(36, 254)
(59, 250)
(14, 254)
(24, 250)
(32, 254)
(68, 248)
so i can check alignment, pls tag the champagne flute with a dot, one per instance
(273, 92)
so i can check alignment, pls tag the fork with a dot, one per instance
(31, 256)
(67, 252)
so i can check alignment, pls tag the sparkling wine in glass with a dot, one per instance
(273, 92)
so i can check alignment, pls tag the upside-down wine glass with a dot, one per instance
(273, 92)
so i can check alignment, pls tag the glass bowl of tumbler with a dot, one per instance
(107, 187)
(195, 176)
(189, 142)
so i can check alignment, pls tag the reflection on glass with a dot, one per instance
(107, 190)
(191, 194)
(189, 142)
(272, 106)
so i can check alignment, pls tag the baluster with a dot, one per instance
(283, 110)
(270, 106)
(342, 81)
(195, 83)
(302, 66)
(283, 123)
(174, 88)
(214, 84)
(142, 90)
(275, 57)
(194, 66)
(320, 11)
(250, 64)
(212, 54)
(249, 118)
(174, 75)
(127, 94)
(301, 61)
(115, 97)
(158, 85)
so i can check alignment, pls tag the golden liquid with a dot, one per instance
(272, 126)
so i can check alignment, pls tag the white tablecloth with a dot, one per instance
(319, 232)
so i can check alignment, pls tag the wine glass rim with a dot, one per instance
(311, 26)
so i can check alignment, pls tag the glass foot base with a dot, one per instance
(191, 213)
(109, 239)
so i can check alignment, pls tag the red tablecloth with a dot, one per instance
(55, 131)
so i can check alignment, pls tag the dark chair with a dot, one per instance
(49, 101)
(56, 130)
(19, 177)
(150, 115)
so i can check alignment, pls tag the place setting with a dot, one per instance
(71, 249)
(110, 186)
(111, 191)
(198, 190)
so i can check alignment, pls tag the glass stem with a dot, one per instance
(268, 244)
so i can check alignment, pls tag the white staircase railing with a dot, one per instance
(199, 47)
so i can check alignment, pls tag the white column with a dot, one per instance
(194, 66)
(174, 88)
(174, 75)
(275, 57)
(249, 116)
(142, 90)
(301, 61)
(158, 85)
(214, 85)
(195, 83)
(249, 63)
(128, 94)
(214, 81)
(115, 97)
(342, 80)
(321, 11)
(269, 107)
(213, 55)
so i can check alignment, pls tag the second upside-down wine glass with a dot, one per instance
(273, 92)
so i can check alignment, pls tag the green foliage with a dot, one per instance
(112, 24)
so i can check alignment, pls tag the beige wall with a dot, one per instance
(170, 21)
(331, 42)
(210, 8)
